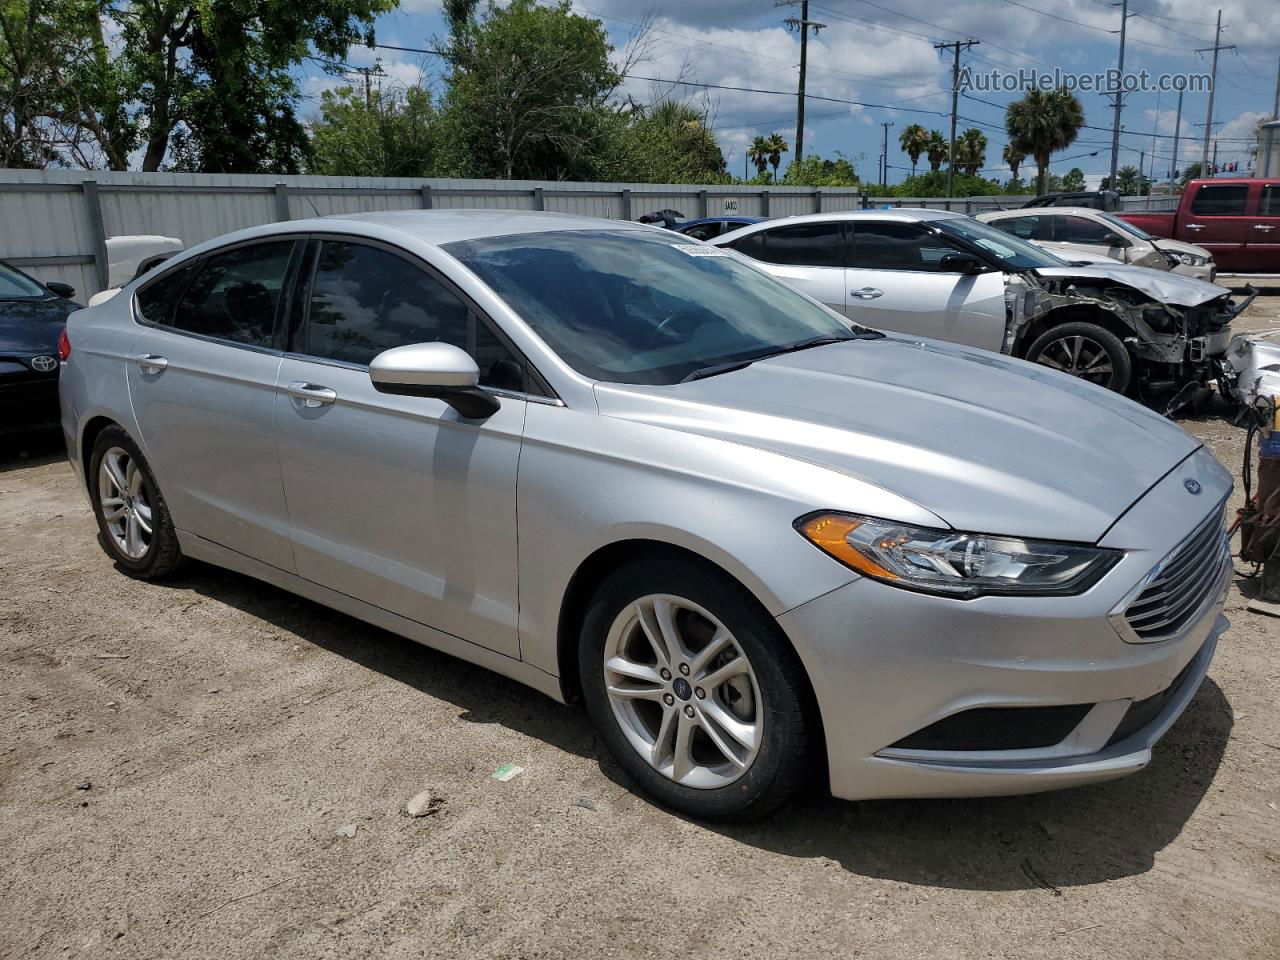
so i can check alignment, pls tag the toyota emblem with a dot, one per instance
(1193, 487)
(44, 364)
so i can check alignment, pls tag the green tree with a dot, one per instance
(937, 150)
(914, 140)
(388, 134)
(971, 151)
(1193, 171)
(1128, 180)
(526, 93)
(777, 147)
(934, 184)
(668, 142)
(758, 154)
(1073, 181)
(1041, 123)
(815, 171)
(1013, 156)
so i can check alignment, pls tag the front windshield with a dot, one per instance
(640, 306)
(1126, 227)
(1012, 252)
(14, 285)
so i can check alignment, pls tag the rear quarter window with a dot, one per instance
(157, 300)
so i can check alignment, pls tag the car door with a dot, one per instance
(897, 282)
(809, 256)
(202, 380)
(399, 501)
(1217, 220)
(1263, 250)
(1085, 233)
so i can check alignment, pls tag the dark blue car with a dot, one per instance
(708, 228)
(32, 316)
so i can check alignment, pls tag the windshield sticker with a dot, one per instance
(700, 250)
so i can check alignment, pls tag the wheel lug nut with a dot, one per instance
(665, 673)
(668, 699)
(688, 712)
(684, 668)
(700, 693)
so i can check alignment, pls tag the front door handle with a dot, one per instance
(311, 394)
(150, 363)
(1195, 226)
(1263, 226)
(866, 293)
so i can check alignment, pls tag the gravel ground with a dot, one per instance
(182, 767)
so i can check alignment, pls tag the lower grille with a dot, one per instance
(998, 728)
(1185, 580)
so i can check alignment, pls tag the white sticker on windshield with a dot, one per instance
(700, 250)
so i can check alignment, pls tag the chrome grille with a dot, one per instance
(1183, 582)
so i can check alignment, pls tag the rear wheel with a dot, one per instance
(694, 690)
(133, 519)
(1084, 350)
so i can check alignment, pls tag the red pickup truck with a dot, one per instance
(1237, 220)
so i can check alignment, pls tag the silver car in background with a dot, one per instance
(627, 468)
(946, 275)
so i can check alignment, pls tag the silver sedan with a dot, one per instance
(755, 539)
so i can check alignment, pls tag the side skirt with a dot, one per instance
(200, 549)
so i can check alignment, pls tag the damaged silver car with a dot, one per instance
(950, 277)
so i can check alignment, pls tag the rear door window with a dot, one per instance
(803, 245)
(703, 231)
(235, 295)
(1071, 229)
(1028, 228)
(1223, 200)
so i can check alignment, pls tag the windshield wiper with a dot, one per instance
(729, 365)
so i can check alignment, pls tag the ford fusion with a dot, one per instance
(625, 468)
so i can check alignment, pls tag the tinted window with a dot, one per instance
(703, 231)
(751, 245)
(15, 284)
(1083, 230)
(890, 245)
(1269, 206)
(1012, 253)
(234, 295)
(365, 300)
(1028, 228)
(1222, 201)
(804, 245)
(639, 306)
(156, 301)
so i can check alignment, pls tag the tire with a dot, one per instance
(764, 689)
(122, 533)
(1098, 348)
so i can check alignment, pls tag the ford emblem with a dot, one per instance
(1193, 487)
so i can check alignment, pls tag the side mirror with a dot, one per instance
(960, 263)
(438, 370)
(64, 290)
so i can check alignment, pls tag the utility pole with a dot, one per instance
(803, 24)
(955, 45)
(1119, 95)
(1213, 82)
(1213, 170)
(1275, 108)
(1177, 129)
(884, 166)
(1155, 131)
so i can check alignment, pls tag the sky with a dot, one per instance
(880, 54)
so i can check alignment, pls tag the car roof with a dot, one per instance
(448, 226)
(728, 219)
(1042, 212)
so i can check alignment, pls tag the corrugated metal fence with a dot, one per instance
(54, 224)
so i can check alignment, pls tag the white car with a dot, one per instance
(1069, 230)
(937, 274)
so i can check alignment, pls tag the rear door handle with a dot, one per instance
(150, 363)
(866, 293)
(311, 394)
(1195, 226)
(1263, 226)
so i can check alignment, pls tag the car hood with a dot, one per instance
(1181, 246)
(987, 443)
(31, 327)
(1161, 285)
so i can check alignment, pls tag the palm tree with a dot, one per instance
(914, 141)
(1013, 156)
(937, 150)
(1128, 180)
(971, 151)
(777, 147)
(758, 154)
(1041, 123)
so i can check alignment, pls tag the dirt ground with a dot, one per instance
(176, 763)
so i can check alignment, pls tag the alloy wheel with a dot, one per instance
(125, 499)
(1079, 356)
(683, 691)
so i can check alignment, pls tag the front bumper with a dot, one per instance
(886, 664)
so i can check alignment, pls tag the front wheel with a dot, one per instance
(695, 691)
(1084, 350)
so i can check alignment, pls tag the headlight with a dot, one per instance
(961, 565)
(1190, 259)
